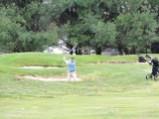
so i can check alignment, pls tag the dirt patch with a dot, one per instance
(112, 62)
(46, 79)
(117, 62)
(39, 67)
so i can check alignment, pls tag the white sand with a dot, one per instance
(46, 79)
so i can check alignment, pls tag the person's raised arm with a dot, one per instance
(64, 59)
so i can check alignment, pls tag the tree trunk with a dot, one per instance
(120, 49)
(155, 47)
(98, 50)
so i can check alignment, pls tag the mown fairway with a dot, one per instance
(110, 88)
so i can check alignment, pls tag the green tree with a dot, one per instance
(136, 30)
(124, 26)
(86, 29)
(18, 3)
(10, 24)
(105, 34)
(16, 38)
(144, 28)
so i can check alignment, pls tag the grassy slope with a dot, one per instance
(114, 91)
(10, 62)
(45, 59)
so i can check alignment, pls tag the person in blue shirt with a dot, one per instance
(71, 73)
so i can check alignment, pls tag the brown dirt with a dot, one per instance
(39, 67)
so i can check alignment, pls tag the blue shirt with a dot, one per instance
(71, 66)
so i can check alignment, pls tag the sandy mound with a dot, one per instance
(40, 78)
(46, 79)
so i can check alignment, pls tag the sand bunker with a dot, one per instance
(46, 79)
(40, 78)
(39, 67)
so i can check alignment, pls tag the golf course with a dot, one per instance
(34, 86)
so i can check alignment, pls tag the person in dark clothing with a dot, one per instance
(155, 65)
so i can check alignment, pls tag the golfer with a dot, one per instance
(155, 65)
(71, 73)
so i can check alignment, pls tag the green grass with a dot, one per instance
(107, 90)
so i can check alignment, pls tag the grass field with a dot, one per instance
(111, 87)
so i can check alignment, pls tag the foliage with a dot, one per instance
(105, 34)
(137, 29)
(144, 29)
(11, 28)
(98, 24)
(18, 34)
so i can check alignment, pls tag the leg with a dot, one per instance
(151, 76)
(74, 75)
(68, 75)
(155, 72)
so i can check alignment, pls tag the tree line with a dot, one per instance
(131, 26)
